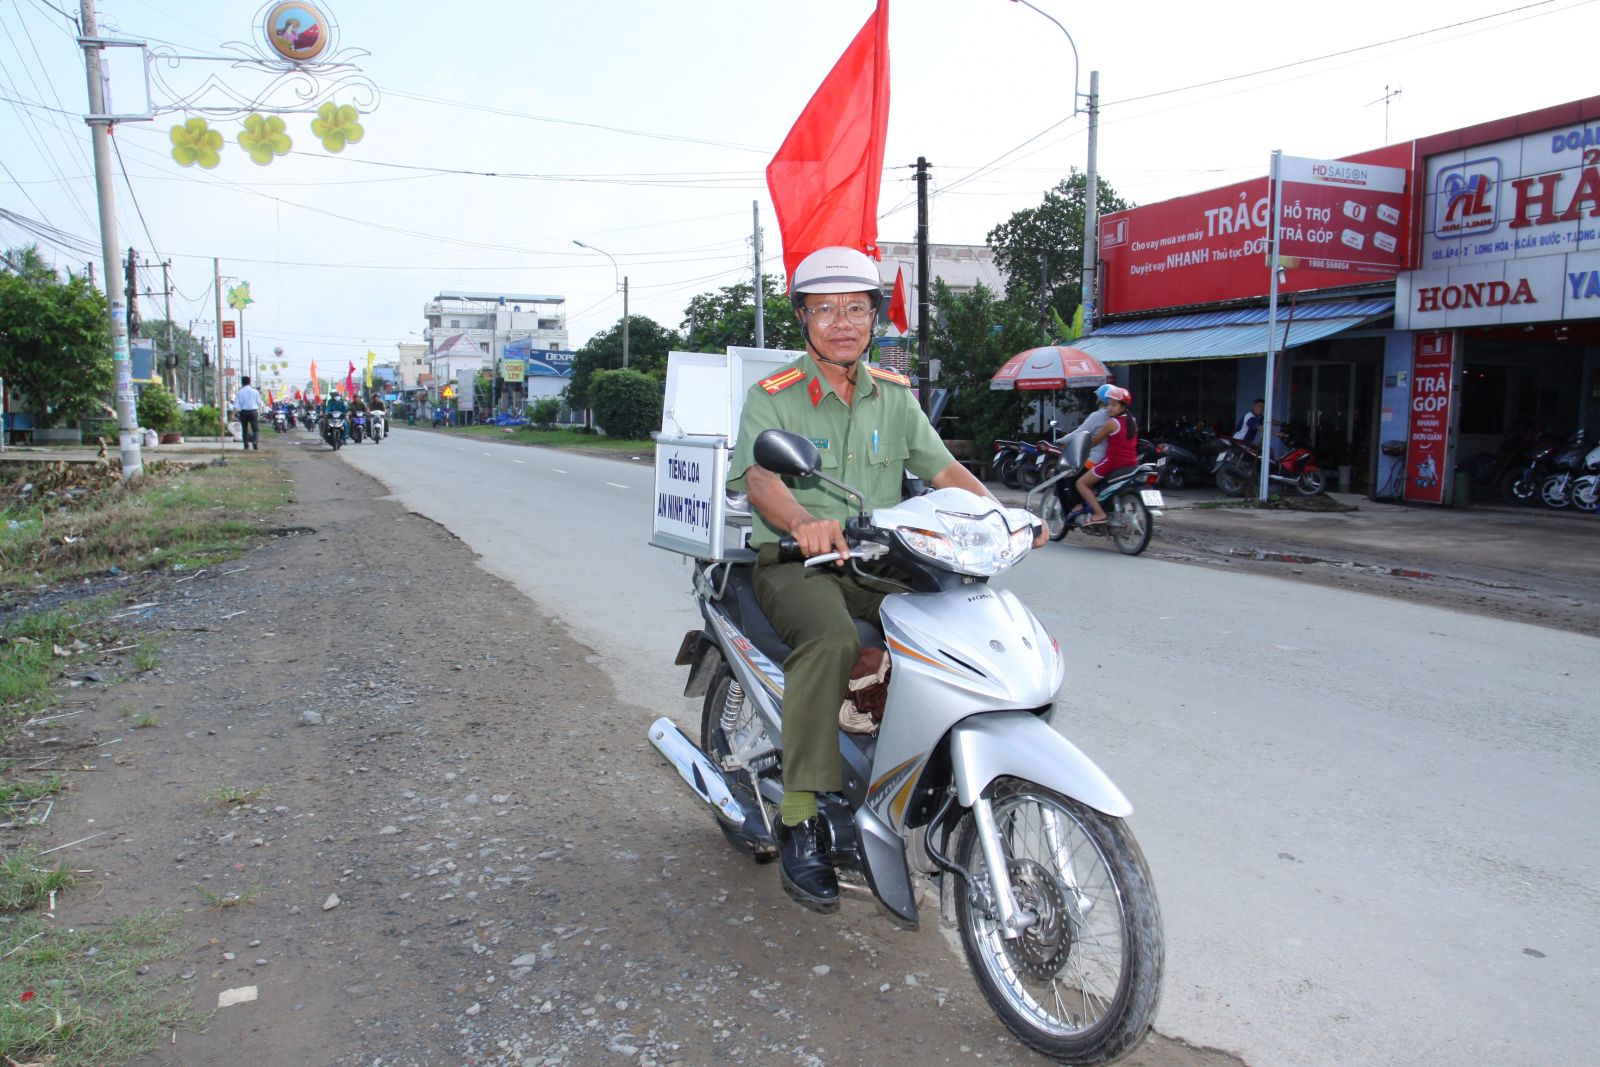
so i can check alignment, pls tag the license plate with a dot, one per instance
(1152, 498)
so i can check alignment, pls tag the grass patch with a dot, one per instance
(525, 435)
(147, 657)
(74, 997)
(222, 901)
(24, 790)
(25, 884)
(143, 720)
(28, 663)
(229, 796)
(174, 517)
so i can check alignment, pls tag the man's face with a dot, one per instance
(840, 339)
(1258, 407)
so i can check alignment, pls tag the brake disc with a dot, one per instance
(1043, 948)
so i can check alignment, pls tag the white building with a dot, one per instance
(411, 365)
(460, 324)
(961, 267)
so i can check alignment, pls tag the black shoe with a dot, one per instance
(803, 867)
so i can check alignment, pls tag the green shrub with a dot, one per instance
(158, 409)
(627, 404)
(544, 412)
(203, 421)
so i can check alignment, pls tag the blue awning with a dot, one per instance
(1222, 334)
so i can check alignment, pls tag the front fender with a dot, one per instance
(1019, 744)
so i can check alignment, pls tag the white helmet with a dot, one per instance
(836, 270)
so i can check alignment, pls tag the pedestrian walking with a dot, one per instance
(247, 403)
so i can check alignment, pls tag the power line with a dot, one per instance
(134, 197)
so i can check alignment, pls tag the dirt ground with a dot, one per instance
(462, 851)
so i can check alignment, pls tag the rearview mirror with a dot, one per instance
(782, 452)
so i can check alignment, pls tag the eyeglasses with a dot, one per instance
(823, 314)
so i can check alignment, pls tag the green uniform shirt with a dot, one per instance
(867, 445)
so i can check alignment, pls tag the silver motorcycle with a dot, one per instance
(965, 782)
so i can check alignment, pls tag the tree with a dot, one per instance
(648, 345)
(158, 409)
(1054, 229)
(715, 321)
(973, 336)
(627, 404)
(55, 339)
(188, 356)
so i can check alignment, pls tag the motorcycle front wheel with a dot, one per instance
(1054, 516)
(1174, 477)
(1130, 524)
(1556, 492)
(1311, 482)
(1519, 486)
(1006, 471)
(1081, 984)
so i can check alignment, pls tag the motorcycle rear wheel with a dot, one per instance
(1130, 524)
(1028, 475)
(1230, 481)
(717, 743)
(1311, 483)
(1006, 471)
(1082, 983)
(1054, 516)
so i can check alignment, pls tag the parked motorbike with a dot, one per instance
(333, 430)
(966, 781)
(1521, 483)
(1129, 496)
(1237, 468)
(1004, 463)
(1569, 465)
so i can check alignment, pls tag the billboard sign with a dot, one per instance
(540, 362)
(465, 378)
(1428, 466)
(1211, 247)
(511, 370)
(1339, 215)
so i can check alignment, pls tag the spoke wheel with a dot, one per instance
(729, 723)
(1556, 492)
(1130, 524)
(1230, 481)
(1311, 482)
(1081, 984)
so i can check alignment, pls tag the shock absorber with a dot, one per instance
(731, 706)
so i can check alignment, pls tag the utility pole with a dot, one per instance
(99, 126)
(760, 290)
(925, 395)
(1091, 208)
(624, 322)
(1044, 297)
(166, 293)
(222, 400)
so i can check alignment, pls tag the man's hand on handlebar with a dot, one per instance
(817, 536)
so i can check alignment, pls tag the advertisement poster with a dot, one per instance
(1212, 247)
(1432, 397)
(1341, 215)
(465, 379)
(511, 370)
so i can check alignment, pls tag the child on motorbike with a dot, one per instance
(1118, 436)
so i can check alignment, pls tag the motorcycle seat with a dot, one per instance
(739, 601)
(1121, 472)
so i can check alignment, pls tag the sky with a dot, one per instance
(503, 132)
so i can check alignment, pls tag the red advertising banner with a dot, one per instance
(228, 328)
(1433, 363)
(1211, 247)
(1341, 215)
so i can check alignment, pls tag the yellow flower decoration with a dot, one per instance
(264, 138)
(196, 142)
(337, 126)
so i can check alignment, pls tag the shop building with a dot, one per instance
(1492, 324)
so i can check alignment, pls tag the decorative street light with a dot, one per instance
(624, 287)
(1091, 205)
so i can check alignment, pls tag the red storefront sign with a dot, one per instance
(228, 328)
(1212, 247)
(1341, 215)
(1433, 363)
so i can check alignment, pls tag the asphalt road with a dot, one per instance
(1371, 823)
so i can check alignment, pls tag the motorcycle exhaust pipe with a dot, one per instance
(695, 768)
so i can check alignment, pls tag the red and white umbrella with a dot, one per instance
(1051, 367)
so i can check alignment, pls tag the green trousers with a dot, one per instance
(813, 609)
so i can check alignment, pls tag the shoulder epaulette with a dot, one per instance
(782, 380)
(888, 376)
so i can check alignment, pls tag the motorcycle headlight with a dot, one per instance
(980, 545)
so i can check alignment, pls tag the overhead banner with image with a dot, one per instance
(1342, 215)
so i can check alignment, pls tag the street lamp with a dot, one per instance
(1091, 206)
(615, 271)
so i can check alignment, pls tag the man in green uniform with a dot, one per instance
(868, 429)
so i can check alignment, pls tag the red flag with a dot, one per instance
(270, 401)
(298, 395)
(897, 301)
(824, 179)
(350, 381)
